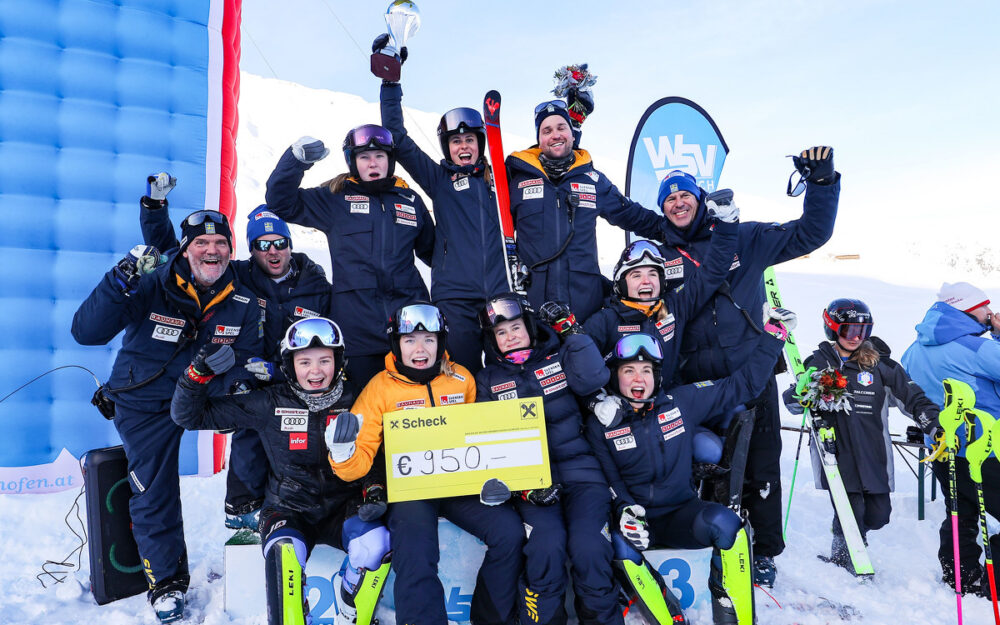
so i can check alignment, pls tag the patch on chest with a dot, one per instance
(624, 442)
(865, 378)
(673, 269)
(461, 184)
(293, 419)
(305, 312)
(298, 441)
(411, 403)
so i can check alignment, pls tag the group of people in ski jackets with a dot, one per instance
(703, 312)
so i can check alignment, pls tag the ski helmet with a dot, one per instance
(847, 318)
(312, 332)
(459, 121)
(638, 254)
(635, 348)
(418, 317)
(364, 139)
(507, 307)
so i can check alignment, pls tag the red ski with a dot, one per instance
(491, 116)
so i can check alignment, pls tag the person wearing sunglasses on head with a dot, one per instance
(547, 355)
(951, 344)
(861, 439)
(305, 503)
(719, 337)
(374, 224)
(469, 256)
(556, 195)
(645, 449)
(420, 374)
(168, 311)
(289, 286)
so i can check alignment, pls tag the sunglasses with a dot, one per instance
(554, 104)
(279, 244)
(199, 217)
(638, 346)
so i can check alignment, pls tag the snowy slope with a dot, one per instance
(898, 281)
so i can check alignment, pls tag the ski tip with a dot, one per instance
(493, 94)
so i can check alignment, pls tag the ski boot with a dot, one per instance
(244, 516)
(357, 607)
(764, 571)
(167, 599)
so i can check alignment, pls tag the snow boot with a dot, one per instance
(245, 516)
(167, 600)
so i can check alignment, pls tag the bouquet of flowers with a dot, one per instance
(574, 83)
(825, 390)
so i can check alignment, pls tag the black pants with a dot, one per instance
(465, 342)
(362, 368)
(762, 484)
(968, 513)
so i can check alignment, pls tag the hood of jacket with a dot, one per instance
(943, 324)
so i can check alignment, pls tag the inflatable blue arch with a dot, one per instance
(94, 96)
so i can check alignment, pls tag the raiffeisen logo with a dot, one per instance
(687, 157)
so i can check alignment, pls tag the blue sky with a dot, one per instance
(905, 91)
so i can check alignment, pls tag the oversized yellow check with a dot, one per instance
(449, 451)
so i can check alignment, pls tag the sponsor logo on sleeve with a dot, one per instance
(455, 398)
(703, 384)
(298, 440)
(241, 299)
(227, 330)
(619, 432)
(170, 321)
(305, 312)
(505, 386)
(736, 262)
(360, 207)
(625, 442)
(458, 376)
(461, 184)
(262, 302)
(169, 334)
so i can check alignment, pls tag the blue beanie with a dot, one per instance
(675, 181)
(263, 221)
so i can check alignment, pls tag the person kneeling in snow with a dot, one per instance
(305, 502)
(643, 438)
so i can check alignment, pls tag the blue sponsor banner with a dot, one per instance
(673, 133)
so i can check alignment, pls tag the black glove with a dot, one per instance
(373, 502)
(542, 496)
(382, 41)
(210, 361)
(581, 104)
(494, 492)
(914, 435)
(560, 318)
(816, 164)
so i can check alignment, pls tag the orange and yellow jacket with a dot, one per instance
(389, 391)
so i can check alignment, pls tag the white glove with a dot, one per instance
(633, 526)
(785, 316)
(609, 409)
(341, 435)
(309, 150)
(720, 205)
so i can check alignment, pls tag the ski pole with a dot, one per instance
(956, 397)
(795, 470)
(976, 453)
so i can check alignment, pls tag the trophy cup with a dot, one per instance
(402, 19)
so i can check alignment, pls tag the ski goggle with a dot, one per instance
(279, 244)
(199, 217)
(503, 309)
(848, 331)
(554, 104)
(638, 346)
(639, 250)
(461, 120)
(419, 317)
(313, 332)
(369, 136)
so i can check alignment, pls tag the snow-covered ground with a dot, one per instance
(897, 277)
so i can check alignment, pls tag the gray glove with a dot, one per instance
(720, 205)
(609, 409)
(309, 150)
(210, 361)
(159, 185)
(341, 435)
(633, 526)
